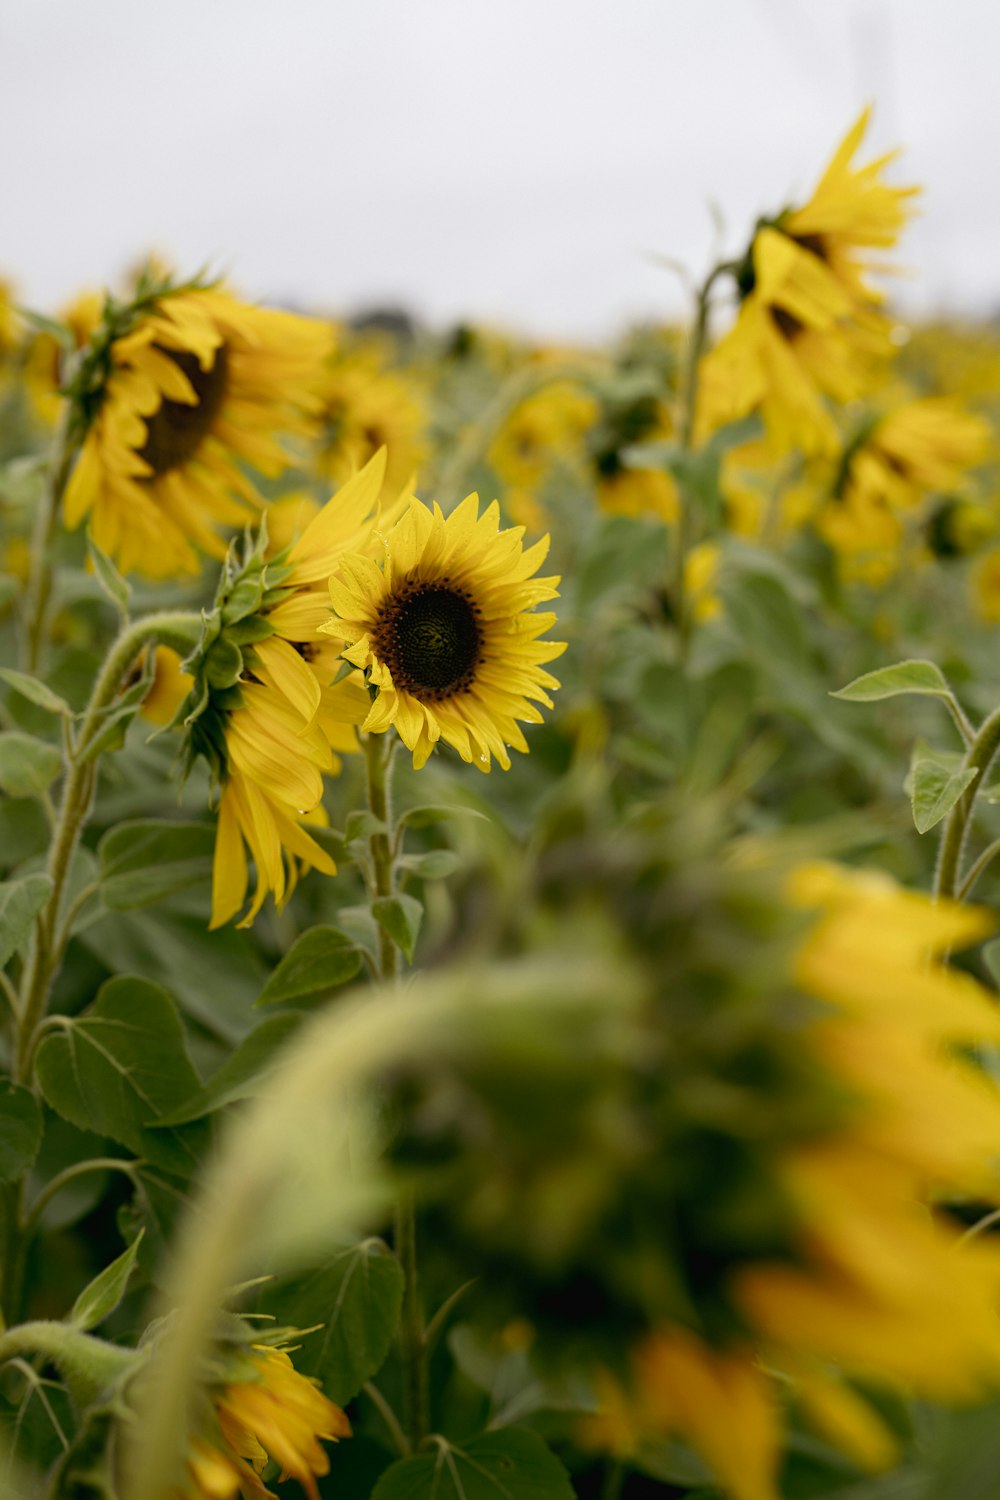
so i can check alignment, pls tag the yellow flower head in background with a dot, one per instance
(446, 632)
(43, 367)
(272, 1413)
(8, 320)
(546, 428)
(364, 407)
(809, 324)
(875, 1282)
(197, 387)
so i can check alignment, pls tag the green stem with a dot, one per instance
(400, 1441)
(378, 755)
(64, 449)
(87, 1364)
(980, 753)
(74, 809)
(70, 1174)
(684, 530)
(413, 1348)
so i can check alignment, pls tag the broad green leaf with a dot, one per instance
(98, 1300)
(361, 824)
(624, 555)
(20, 1130)
(357, 1298)
(320, 960)
(911, 676)
(935, 782)
(400, 917)
(20, 903)
(36, 692)
(435, 864)
(144, 861)
(120, 1066)
(118, 590)
(151, 1213)
(35, 1429)
(512, 1464)
(27, 766)
(255, 1057)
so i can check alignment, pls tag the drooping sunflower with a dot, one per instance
(270, 1412)
(264, 710)
(182, 390)
(446, 631)
(809, 324)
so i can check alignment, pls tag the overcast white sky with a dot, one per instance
(509, 160)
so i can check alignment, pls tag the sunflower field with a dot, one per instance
(498, 915)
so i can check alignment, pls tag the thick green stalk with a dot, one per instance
(413, 1346)
(87, 1364)
(980, 754)
(64, 449)
(684, 529)
(71, 818)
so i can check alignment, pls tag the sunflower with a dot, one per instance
(264, 710)
(191, 385)
(872, 1281)
(44, 360)
(809, 324)
(446, 631)
(271, 1413)
(545, 429)
(918, 448)
(365, 407)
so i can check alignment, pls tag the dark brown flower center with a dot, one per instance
(175, 431)
(430, 638)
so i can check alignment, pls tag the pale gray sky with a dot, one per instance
(507, 161)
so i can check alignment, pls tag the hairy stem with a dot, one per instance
(64, 448)
(947, 878)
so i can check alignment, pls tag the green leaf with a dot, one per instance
(361, 824)
(145, 861)
(36, 691)
(320, 960)
(911, 676)
(428, 815)
(20, 1130)
(98, 1300)
(936, 780)
(435, 864)
(625, 555)
(20, 903)
(400, 917)
(357, 1298)
(118, 590)
(27, 765)
(120, 1066)
(255, 1057)
(513, 1464)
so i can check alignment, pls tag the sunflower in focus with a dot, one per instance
(264, 710)
(809, 324)
(270, 1413)
(446, 632)
(182, 390)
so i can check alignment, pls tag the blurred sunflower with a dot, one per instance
(916, 449)
(365, 407)
(181, 391)
(268, 1412)
(545, 429)
(264, 710)
(43, 367)
(871, 1282)
(446, 632)
(809, 324)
